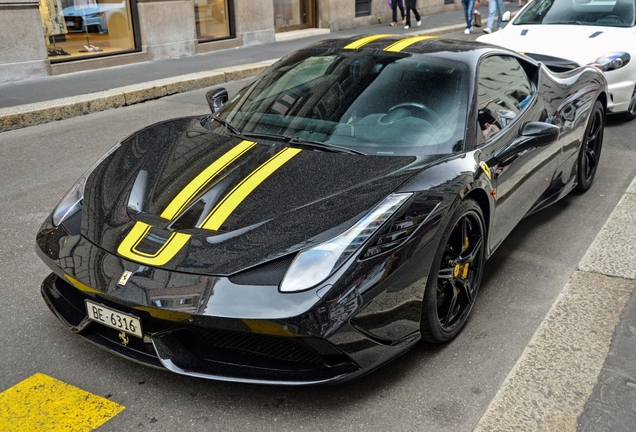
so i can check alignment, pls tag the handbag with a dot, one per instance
(476, 18)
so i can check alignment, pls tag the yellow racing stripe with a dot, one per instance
(224, 208)
(168, 250)
(404, 43)
(188, 193)
(365, 40)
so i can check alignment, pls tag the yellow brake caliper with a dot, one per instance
(462, 269)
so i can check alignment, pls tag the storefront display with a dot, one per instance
(293, 14)
(212, 19)
(80, 28)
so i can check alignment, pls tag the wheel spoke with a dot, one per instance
(465, 288)
(446, 273)
(450, 310)
(591, 158)
(468, 256)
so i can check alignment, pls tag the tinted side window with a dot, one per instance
(503, 91)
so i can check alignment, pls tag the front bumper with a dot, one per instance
(188, 349)
(212, 327)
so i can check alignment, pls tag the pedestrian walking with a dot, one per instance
(411, 5)
(395, 4)
(468, 14)
(498, 7)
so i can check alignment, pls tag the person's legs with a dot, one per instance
(501, 8)
(418, 18)
(394, 10)
(492, 8)
(401, 6)
(408, 14)
(468, 12)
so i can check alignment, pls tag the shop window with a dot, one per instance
(84, 28)
(212, 19)
(293, 14)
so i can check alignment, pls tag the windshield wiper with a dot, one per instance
(294, 140)
(228, 126)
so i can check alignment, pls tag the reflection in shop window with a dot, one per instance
(79, 28)
(211, 19)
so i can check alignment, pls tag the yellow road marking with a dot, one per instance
(365, 40)
(404, 43)
(41, 403)
(186, 195)
(223, 209)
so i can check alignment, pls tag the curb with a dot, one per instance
(549, 385)
(44, 112)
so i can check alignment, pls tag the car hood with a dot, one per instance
(582, 44)
(266, 200)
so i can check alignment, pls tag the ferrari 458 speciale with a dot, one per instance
(335, 211)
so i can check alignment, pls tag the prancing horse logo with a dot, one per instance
(124, 338)
(124, 278)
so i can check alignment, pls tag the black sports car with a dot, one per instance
(334, 212)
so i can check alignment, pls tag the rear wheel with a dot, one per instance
(590, 153)
(455, 277)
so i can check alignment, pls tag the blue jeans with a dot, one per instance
(495, 6)
(469, 5)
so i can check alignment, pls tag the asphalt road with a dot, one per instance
(442, 388)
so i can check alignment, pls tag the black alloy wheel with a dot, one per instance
(630, 114)
(590, 153)
(455, 276)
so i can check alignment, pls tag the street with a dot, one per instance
(443, 388)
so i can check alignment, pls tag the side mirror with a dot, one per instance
(216, 99)
(506, 16)
(532, 134)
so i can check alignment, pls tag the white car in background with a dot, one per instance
(564, 34)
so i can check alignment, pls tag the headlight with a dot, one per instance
(314, 265)
(611, 61)
(73, 199)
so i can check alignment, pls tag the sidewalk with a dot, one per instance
(577, 372)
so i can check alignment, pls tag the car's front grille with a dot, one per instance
(286, 349)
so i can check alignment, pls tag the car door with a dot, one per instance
(506, 100)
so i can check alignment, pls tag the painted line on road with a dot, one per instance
(41, 403)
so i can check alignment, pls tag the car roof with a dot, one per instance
(466, 51)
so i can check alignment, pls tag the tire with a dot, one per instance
(630, 114)
(591, 147)
(452, 287)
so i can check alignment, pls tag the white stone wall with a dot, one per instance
(22, 45)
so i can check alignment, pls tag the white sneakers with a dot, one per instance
(467, 31)
(487, 30)
(419, 23)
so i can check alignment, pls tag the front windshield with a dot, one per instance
(372, 102)
(604, 13)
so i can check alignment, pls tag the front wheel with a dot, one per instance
(630, 114)
(455, 276)
(590, 153)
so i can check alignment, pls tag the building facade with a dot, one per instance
(52, 37)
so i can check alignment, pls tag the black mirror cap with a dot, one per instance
(217, 98)
(531, 135)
